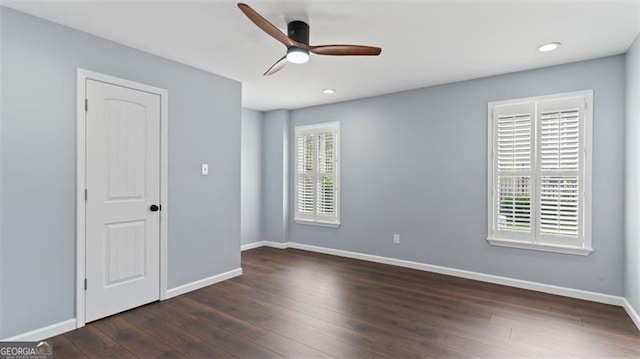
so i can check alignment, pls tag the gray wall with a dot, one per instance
(39, 61)
(275, 186)
(632, 179)
(415, 163)
(251, 177)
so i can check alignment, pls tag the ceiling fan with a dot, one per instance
(297, 42)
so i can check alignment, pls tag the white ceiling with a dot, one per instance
(424, 42)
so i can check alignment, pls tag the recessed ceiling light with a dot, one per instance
(328, 91)
(548, 47)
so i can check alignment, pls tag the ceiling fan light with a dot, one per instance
(296, 55)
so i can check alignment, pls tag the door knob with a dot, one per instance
(154, 208)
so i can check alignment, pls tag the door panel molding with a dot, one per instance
(82, 77)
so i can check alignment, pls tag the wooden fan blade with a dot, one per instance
(345, 50)
(279, 65)
(266, 26)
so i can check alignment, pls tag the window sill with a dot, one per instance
(317, 223)
(540, 247)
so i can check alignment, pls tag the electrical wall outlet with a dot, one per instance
(396, 238)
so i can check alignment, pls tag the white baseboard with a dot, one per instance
(246, 247)
(632, 313)
(174, 292)
(44, 333)
(279, 245)
(489, 278)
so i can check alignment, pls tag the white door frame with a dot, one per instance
(83, 76)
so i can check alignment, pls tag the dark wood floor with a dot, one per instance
(297, 304)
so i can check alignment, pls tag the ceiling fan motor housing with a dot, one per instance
(299, 31)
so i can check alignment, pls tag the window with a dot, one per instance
(540, 173)
(317, 179)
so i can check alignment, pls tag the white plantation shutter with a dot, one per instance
(305, 198)
(304, 155)
(514, 141)
(316, 193)
(539, 172)
(560, 169)
(513, 156)
(514, 205)
(326, 162)
(559, 206)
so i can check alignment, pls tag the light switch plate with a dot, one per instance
(205, 169)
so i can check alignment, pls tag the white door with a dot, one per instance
(123, 192)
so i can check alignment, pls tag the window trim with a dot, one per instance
(584, 245)
(317, 220)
